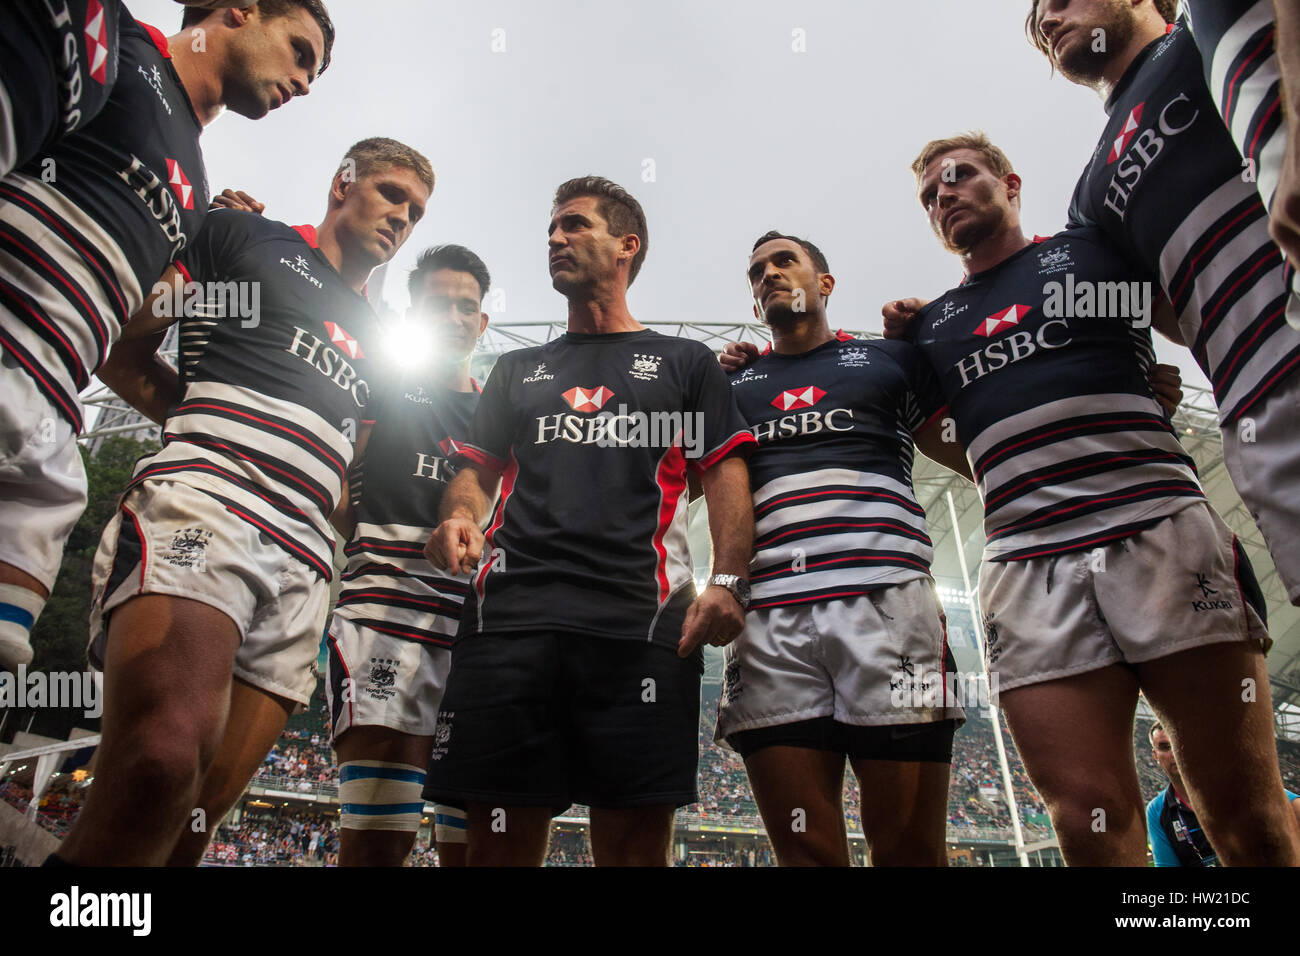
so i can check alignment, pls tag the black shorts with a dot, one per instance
(927, 742)
(553, 719)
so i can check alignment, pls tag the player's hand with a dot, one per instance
(738, 355)
(238, 199)
(455, 546)
(898, 313)
(1167, 385)
(715, 617)
(1284, 220)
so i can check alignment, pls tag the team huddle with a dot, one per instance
(518, 627)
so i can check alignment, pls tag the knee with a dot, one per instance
(1263, 837)
(160, 760)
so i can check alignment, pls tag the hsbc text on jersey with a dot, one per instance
(1014, 347)
(329, 363)
(805, 423)
(158, 200)
(1135, 154)
(627, 428)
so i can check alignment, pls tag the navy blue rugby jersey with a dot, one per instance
(1167, 184)
(593, 436)
(389, 585)
(835, 515)
(58, 62)
(88, 229)
(1067, 443)
(271, 405)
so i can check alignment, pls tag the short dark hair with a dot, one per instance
(449, 256)
(819, 260)
(379, 153)
(1151, 734)
(270, 9)
(621, 212)
(1166, 8)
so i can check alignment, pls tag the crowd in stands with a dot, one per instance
(292, 837)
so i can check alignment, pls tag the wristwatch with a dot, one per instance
(737, 585)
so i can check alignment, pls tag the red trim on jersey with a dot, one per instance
(840, 336)
(670, 477)
(308, 234)
(478, 456)
(185, 273)
(144, 546)
(930, 421)
(1017, 527)
(735, 442)
(507, 488)
(159, 39)
(1234, 81)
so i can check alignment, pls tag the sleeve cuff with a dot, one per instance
(740, 442)
(463, 451)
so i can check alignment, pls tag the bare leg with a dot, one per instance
(638, 836)
(904, 811)
(507, 836)
(1075, 736)
(381, 847)
(800, 795)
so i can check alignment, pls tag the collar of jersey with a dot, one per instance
(160, 41)
(840, 336)
(1139, 61)
(1015, 255)
(584, 338)
(308, 234)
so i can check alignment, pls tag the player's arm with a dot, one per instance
(344, 518)
(1167, 385)
(716, 617)
(938, 442)
(457, 543)
(1284, 218)
(1165, 321)
(134, 370)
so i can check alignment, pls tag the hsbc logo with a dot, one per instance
(331, 362)
(97, 42)
(1001, 321)
(1126, 134)
(1135, 150)
(1012, 348)
(588, 399)
(805, 396)
(346, 343)
(180, 184)
(157, 198)
(804, 423)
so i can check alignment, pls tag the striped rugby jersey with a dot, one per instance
(1237, 40)
(389, 585)
(58, 63)
(270, 405)
(593, 436)
(834, 511)
(1066, 441)
(87, 230)
(1168, 186)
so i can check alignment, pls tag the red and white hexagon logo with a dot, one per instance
(1001, 321)
(180, 184)
(583, 399)
(346, 343)
(97, 42)
(805, 396)
(1126, 134)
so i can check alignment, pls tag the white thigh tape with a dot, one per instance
(380, 796)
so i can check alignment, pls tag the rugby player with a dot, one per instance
(212, 581)
(58, 63)
(1251, 55)
(86, 230)
(390, 636)
(1105, 571)
(576, 671)
(1168, 187)
(845, 635)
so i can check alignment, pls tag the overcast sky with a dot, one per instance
(736, 131)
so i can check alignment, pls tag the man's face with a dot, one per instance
(583, 254)
(1070, 30)
(271, 60)
(964, 200)
(783, 280)
(379, 211)
(449, 302)
(1163, 751)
